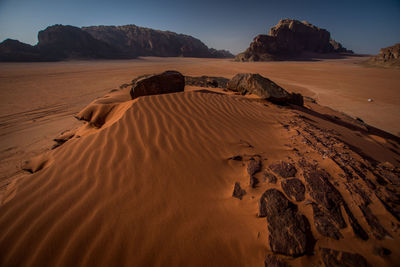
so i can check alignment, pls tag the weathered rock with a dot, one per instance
(325, 194)
(388, 56)
(238, 192)
(294, 188)
(13, 50)
(270, 177)
(164, 83)
(324, 224)
(256, 84)
(289, 231)
(284, 169)
(273, 261)
(290, 39)
(335, 258)
(253, 181)
(377, 229)
(207, 81)
(254, 166)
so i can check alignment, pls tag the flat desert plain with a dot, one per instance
(153, 185)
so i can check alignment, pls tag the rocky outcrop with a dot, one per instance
(284, 169)
(245, 83)
(290, 39)
(164, 83)
(388, 57)
(61, 42)
(283, 215)
(335, 258)
(148, 42)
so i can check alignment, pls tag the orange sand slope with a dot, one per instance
(153, 185)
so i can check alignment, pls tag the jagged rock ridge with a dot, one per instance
(60, 42)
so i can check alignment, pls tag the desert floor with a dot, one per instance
(38, 100)
(153, 185)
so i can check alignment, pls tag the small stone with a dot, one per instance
(238, 192)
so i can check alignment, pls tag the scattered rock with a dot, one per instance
(324, 224)
(284, 169)
(273, 261)
(294, 188)
(254, 166)
(377, 229)
(253, 181)
(289, 231)
(238, 192)
(207, 81)
(270, 177)
(335, 258)
(166, 82)
(236, 158)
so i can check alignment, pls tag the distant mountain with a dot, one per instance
(60, 42)
(291, 39)
(149, 42)
(387, 57)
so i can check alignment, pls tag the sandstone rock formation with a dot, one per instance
(166, 82)
(148, 42)
(61, 42)
(388, 57)
(290, 39)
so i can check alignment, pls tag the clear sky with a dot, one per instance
(363, 26)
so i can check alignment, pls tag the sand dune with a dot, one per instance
(152, 184)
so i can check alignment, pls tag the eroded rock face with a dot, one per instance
(284, 169)
(335, 258)
(289, 231)
(289, 39)
(166, 82)
(388, 56)
(148, 42)
(13, 50)
(294, 188)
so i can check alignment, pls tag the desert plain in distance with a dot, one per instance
(77, 207)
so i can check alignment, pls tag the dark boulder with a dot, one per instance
(249, 83)
(238, 192)
(164, 83)
(273, 261)
(284, 169)
(289, 231)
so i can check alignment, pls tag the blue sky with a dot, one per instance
(363, 26)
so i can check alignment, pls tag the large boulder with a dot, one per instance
(256, 84)
(290, 39)
(164, 83)
(289, 230)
